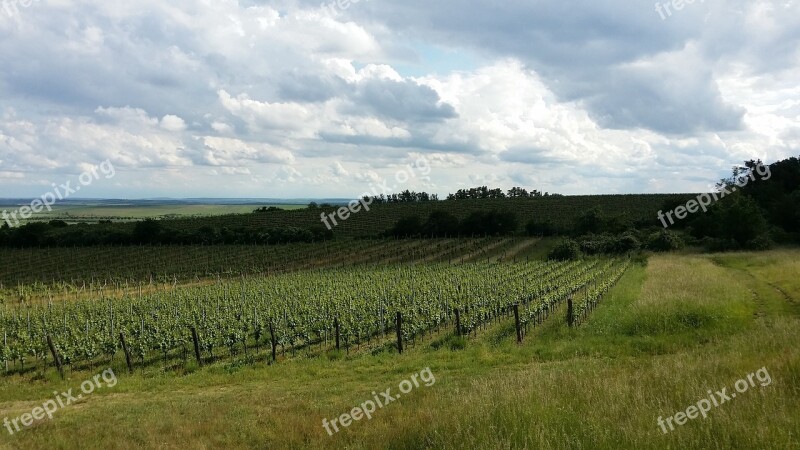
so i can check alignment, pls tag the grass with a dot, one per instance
(664, 336)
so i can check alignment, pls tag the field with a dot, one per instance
(90, 213)
(45, 271)
(650, 338)
(399, 225)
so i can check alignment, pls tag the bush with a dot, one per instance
(546, 228)
(762, 242)
(147, 232)
(441, 224)
(407, 227)
(594, 244)
(489, 223)
(720, 244)
(589, 222)
(564, 251)
(626, 243)
(664, 241)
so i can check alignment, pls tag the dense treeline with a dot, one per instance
(403, 197)
(58, 234)
(751, 215)
(481, 192)
(757, 205)
(484, 192)
(754, 208)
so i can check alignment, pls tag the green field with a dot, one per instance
(669, 331)
(93, 213)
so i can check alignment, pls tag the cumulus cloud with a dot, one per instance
(172, 123)
(290, 99)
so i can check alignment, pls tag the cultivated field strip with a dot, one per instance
(292, 312)
(114, 265)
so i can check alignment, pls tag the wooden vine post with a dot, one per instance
(570, 312)
(272, 339)
(127, 352)
(336, 326)
(56, 357)
(196, 341)
(399, 324)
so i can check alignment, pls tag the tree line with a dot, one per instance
(149, 232)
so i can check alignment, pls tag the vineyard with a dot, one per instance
(58, 269)
(270, 318)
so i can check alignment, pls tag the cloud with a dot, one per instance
(238, 98)
(172, 123)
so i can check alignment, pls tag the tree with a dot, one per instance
(516, 192)
(147, 232)
(440, 224)
(565, 250)
(407, 227)
(589, 222)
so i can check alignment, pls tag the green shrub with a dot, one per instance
(566, 250)
(664, 241)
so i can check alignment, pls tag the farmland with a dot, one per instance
(664, 334)
(121, 211)
(399, 225)
(301, 311)
(262, 342)
(130, 265)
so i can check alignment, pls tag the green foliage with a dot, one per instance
(272, 209)
(152, 232)
(301, 307)
(147, 232)
(441, 224)
(450, 342)
(596, 244)
(664, 241)
(541, 228)
(406, 227)
(566, 250)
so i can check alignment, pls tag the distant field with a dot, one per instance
(89, 213)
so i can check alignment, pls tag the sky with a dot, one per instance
(297, 99)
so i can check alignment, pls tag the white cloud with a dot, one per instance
(172, 123)
(286, 99)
